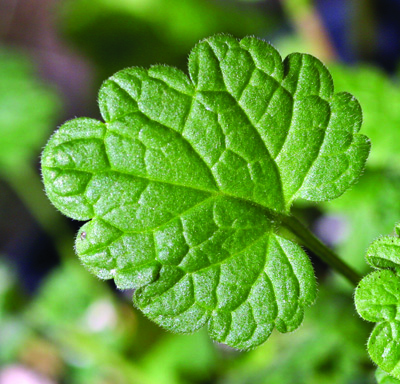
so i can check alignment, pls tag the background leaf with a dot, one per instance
(27, 110)
(377, 300)
(138, 35)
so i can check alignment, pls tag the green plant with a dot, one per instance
(377, 300)
(189, 182)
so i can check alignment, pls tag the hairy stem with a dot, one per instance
(310, 241)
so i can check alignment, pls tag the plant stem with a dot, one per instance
(310, 241)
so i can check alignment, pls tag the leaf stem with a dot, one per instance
(310, 241)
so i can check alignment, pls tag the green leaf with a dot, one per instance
(187, 181)
(383, 377)
(384, 253)
(377, 300)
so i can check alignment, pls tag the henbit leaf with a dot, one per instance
(187, 181)
(378, 296)
(384, 253)
(383, 377)
(377, 300)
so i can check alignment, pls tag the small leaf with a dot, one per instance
(187, 181)
(378, 296)
(384, 347)
(377, 300)
(384, 253)
(383, 377)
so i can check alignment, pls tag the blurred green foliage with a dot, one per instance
(379, 95)
(62, 331)
(13, 330)
(27, 111)
(370, 209)
(124, 33)
(321, 351)
(95, 334)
